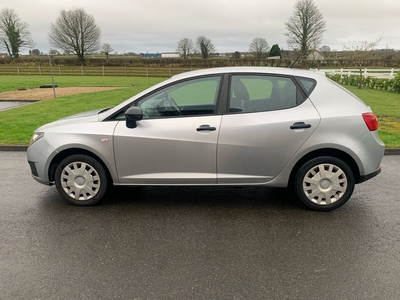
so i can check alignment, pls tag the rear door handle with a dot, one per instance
(300, 125)
(206, 128)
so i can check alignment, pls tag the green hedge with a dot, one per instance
(389, 85)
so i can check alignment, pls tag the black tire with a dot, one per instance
(81, 180)
(313, 185)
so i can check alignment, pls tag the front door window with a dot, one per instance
(196, 97)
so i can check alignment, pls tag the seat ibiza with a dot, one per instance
(235, 126)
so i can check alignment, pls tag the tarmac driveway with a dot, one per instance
(197, 243)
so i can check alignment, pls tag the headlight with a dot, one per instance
(36, 136)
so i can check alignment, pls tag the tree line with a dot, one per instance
(75, 32)
(258, 47)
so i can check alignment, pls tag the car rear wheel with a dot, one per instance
(324, 183)
(81, 180)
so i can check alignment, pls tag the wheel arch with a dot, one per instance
(68, 152)
(327, 152)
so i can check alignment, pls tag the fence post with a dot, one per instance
(59, 70)
(40, 70)
(392, 73)
(365, 72)
(103, 69)
(52, 77)
(169, 71)
(147, 71)
(82, 69)
(18, 70)
(125, 69)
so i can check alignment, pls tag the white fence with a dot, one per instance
(377, 73)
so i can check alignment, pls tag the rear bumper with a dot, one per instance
(369, 176)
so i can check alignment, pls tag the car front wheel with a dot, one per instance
(81, 180)
(324, 183)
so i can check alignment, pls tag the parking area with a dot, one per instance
(197, 242)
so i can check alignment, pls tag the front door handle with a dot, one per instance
(300, 125)
(206, 128)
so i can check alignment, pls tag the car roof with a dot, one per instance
(256, 70)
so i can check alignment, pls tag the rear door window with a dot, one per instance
(255, 93)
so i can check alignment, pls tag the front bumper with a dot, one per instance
(39, 156)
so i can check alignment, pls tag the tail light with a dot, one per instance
(371, 121)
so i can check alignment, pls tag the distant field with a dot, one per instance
(10, 83)
(65, 70)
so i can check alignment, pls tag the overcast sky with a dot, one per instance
(157, 25)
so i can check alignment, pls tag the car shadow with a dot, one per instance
(202, 196)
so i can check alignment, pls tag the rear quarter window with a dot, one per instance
(307, 84)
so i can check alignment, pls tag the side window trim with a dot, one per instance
(223, 96)
(135, 102)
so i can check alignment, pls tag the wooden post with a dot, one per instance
(125, 69)
(18, 70)
(40, 70)
(147, 71)
(169, 71)
(59, 70)
(82, 69)
(103, 70)
(52, 77)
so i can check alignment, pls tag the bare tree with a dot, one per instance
(185, 46)
(259, 47)
(205, 46)
(53, 51)
(305, 28)
(75, 31)
(14, 34)
(35, 52)
(325, 49)
(360, 54)
(106, 49)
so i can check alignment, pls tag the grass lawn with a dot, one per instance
(386, 106)
(10, 83)
(17, 125)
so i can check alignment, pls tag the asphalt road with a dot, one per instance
(197, 243)
(4, 105)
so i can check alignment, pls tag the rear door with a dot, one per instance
(269, 119)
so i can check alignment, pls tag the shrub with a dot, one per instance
(389, 85)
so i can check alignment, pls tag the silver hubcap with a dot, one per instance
(325, 184)
(80, 181)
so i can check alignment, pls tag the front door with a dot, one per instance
(176, 142)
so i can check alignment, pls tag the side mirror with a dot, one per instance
(132, 115)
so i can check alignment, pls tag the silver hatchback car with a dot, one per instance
(234, 126)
